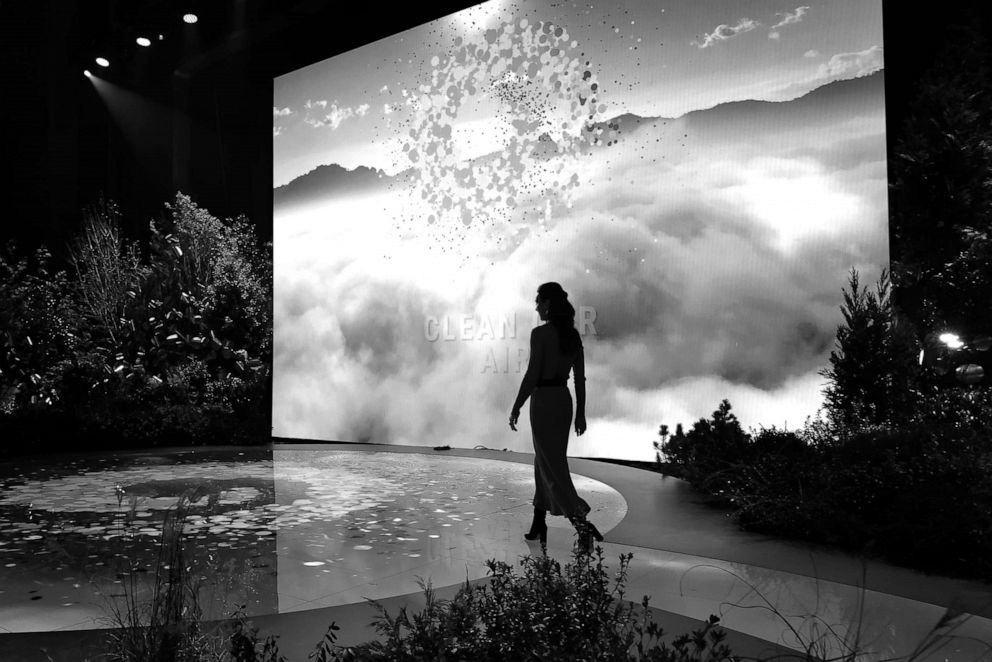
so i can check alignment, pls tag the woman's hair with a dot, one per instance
(561, 314)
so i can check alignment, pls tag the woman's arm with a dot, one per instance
(533, 374)
(579, 376)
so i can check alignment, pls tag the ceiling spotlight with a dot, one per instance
(103, 62)
(86, 72)
(190, 18)
(144, 41)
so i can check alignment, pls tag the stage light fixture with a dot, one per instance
(144, 41)
(190, 18)
(86, 72)
(103, 62)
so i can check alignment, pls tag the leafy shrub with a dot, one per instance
(37, 329)
(244, 645)
(242, 397)
(202, 303)
(545, 613)
(960, 418)
(174, 350)
(229, 270)
(777, 443)
(709, 455)
(919, 495)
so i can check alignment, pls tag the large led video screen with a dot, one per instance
(700, 176)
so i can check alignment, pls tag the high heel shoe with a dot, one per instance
(587, 532)
(538, 527)
(538, 532)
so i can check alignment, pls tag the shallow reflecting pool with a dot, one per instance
(275, 530)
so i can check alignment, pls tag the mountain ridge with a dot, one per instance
(725, 118)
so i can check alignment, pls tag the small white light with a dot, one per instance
(190, 18)
(951, 340)
(144, 41)
(103, 62)
(86, 72)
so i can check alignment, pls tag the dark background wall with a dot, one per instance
(193, 113)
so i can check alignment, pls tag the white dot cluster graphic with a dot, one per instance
(549, 100)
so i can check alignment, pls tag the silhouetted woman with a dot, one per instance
(555, 349)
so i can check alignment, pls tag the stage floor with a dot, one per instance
(304, 533)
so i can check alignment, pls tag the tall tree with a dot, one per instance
(873, 368)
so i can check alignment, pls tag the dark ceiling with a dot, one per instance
(192, 112)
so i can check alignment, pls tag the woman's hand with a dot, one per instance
(580, 424)
(514, 415)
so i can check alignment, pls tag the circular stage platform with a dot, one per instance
(303, 533)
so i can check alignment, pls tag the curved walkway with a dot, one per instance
(773, 596)
(693, 561)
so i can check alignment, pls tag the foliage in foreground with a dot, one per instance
(545, 613)
(167, 628)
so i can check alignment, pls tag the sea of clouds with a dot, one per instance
(713, 262)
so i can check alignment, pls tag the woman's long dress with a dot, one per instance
(550, 422)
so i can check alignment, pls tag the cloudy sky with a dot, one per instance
(707, 253)
(651, 58)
